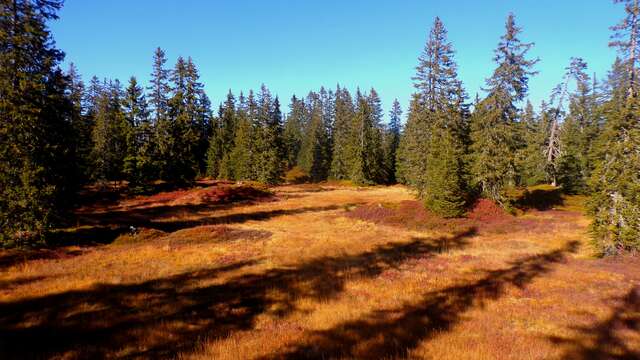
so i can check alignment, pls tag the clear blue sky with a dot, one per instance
(297, 46)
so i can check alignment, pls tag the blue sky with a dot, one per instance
(297, 46)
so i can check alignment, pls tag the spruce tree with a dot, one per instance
(269, 147)
(392, 141)
(315, 150)
(159, 91)
(37, 164)
(293, 131)
(431, 157)
(411, 157)
(342, 134)
(222, 138)
(578, 132)
(109, 135)
(374, 147)
(81, 123)
(615, 182)
(197, 113)
(242, 155)
(444, 189)
(138, 163)
(531, 161)
(493, 132)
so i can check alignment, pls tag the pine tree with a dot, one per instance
(615, 182)
(493, 132)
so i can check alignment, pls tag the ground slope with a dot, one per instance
(318, 272)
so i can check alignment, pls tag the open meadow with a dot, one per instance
(230, 271)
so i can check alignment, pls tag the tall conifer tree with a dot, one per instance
(493, 132)
(37, 164)
(615, 202)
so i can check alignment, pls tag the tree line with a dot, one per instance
(58, 133)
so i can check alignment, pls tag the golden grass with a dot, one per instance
(296, 278)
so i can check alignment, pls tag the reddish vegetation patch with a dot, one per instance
(484, 216)
(487, 211)
(218, 194)
(409, 214)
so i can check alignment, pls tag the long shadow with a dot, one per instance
(9, 284)
(105, 228)
(540, 199)
(239, 218)
(161, 318)
(394, 333)
(11, 258)
(603, 340)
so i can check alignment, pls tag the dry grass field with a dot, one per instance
(319, 271)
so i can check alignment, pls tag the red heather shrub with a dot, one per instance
(217, 194)
(408, 214)
(485, 210)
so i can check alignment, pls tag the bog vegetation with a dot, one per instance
(139, 221)
(59, 134)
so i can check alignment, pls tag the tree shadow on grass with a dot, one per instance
(394, 333)
(163, 317)
(10, 258)
(604, 340)
(105, 228)
(6, 285)
(540, 199)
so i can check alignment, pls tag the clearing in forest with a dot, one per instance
(229, 271)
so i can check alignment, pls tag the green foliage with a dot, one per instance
(37, 159)
(392, 142)
(342, 134)
(138, 163)
(242, 156)
(315, 150)
(446, 189)
(615, 201)
(432, 152)
(533, 133)
(493, 124)
(412, 150)
(109, 135)
(269, 165)
(293, 132)
(578, 133)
